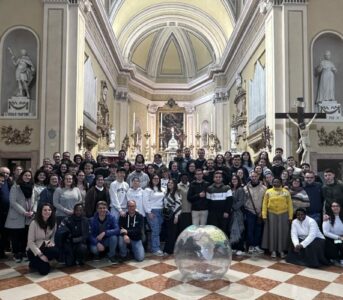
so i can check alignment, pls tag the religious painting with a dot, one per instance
(335, 164)
(169, 122)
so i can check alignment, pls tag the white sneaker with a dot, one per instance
(251, 250)
(258, 250)
(239, 253)
(341, 262)
(273, 255)
(282, 254)
(158, 253)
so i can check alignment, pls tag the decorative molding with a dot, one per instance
(15, 136)
(332, 138)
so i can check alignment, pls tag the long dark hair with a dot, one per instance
(38, 172)
(39, 217)
(72, 183)
(239, 182)
(249, 160)
(151, 184)
(20, 178)
(332, 215)
(173, 191)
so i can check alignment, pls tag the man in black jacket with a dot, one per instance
(197, 196)
(220, 201)
(72, 236)
(131, 226)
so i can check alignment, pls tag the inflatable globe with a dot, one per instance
(202, 253)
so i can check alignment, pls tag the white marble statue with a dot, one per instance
(24, 72)
(112, 139)
(304, 140)
(172, 144)
(326, 71)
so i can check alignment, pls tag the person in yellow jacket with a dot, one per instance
(277, 212)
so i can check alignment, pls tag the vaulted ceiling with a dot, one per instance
(172, 41)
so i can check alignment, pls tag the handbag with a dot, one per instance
(167, 212)
(259, 219)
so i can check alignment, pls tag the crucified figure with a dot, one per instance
(304, 140)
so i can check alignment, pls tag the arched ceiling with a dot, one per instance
(172, 40)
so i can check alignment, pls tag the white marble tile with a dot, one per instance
(175, 275)
(234, 276)
(22, 292)
(137, 275)
(186, 291)
(238, 291)
(76, 292)
(294, 291)
(274, 274)
(144, 263)
(319, 274)
(91, 275)
(259, 262)
(334, 289)
(132, 291)
(8, 273)
(36, 277)
(170, 262)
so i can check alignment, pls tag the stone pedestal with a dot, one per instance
(18, 107)
(332, 110)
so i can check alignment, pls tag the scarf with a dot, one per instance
(27, 189)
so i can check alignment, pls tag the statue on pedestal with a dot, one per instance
(111, 139)
(172, 144)
(24, 72)
(326, 71)
(103, 111)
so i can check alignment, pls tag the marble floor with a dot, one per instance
(158, 278)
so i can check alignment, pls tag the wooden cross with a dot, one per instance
(300, 115)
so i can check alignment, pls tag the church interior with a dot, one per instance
(154, 76)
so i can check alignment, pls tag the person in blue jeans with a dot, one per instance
(154, 203)
(131, 226)
(104, 232)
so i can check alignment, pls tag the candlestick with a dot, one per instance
(211, 123)
(198, 129)
(147, 122)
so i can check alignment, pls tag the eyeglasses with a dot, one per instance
(335, 206)
(308, 177)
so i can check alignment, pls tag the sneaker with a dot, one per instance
(341, 262)
(273, 255)
(113, 260)
(239, 253)
(158, 253)
(251, 250)
(258, 250)
(282, 254)
(18, 260)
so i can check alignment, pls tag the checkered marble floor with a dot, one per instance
(158, 278)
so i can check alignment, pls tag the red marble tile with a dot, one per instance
(270, 296)
(117, 269)
(160, 268)
(101, 297)
(159, 283)
(215, 296)
(287, 267)
(211, 285)
(76, 269)
(307, 282)
(333, 269)
(259, 282)
(59, 283)
(4, 266)
(109, 283)
(339, 279)
(324, 296)
(44, 297)
(158, 296)
(13, 282)
(23, 270)
(245, 268)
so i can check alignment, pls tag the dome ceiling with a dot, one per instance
(172, 41)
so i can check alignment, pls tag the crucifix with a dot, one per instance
(304, 129)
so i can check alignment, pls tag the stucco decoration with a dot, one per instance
(332, 138)
(16, 136)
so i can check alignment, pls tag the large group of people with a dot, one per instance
(73, 209)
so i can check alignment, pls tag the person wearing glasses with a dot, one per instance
(315, 195)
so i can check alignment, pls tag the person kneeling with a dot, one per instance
(131, 232)
(72, 235)
(40, 243)
(308, 241)
(104, 232)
